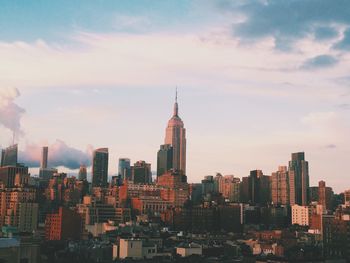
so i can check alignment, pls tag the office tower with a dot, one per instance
(44, 172)
(124, 169)
(280, 186)
(141, 173)
(164, 159)
(9, 156)
(253, 188)
(228, 186)
(299, 179)
(44, 155)
(176, 136)
(100, 167)
(82, 173)
(13, 176)
(325, 195)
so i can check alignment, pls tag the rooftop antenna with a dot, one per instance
(176, 94)
(13, 137)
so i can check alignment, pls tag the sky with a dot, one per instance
(257, 80)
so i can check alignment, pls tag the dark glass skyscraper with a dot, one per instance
(9, 156)
(124, 170)
(164, 159)
(141, 172)
(299, 179)
(100, 167)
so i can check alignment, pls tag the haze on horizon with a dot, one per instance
(257, 81)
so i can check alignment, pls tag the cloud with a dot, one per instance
(321, 61)
(344, 43)
(10, 112)
(288, 21)
(60, 154)
(331, 146)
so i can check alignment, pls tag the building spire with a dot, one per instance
(176, 107)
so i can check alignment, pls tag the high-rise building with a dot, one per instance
(100, 167)
(44, 155)
(141, 173)
(325, 195)
(176, 136)
(82, 173)
(45, 172)
(9, 156)
(255, 188)
(164, 159)
(280, 186)
(124, 169)
(228, 186)
(299, 179)
(15, 175)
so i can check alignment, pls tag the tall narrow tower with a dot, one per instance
(299, 179)
(44, 155)
(175, 135)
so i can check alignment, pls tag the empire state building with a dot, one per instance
(175, 135)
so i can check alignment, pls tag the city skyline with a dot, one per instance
(174, 131)
(252, 88)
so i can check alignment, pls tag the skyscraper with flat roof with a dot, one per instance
(299, 179)
(100, 167)
(280, 186)
(44, 156)
(176, 136)
(164, 159)
(141, 173)
(9, 156)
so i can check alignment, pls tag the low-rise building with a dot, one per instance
(186, 250)
(301, 215)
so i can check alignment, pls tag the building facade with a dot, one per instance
(100, 167)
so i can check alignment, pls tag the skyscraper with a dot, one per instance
(299, 179)
(280, 186)
(124, 170)
(141, 172)
(44, 172)
(82, 173)
(176, 136)
(100, 167)
(164, 159)
(325, 195)
(9, 156)
(44, 155)
(255, 188)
